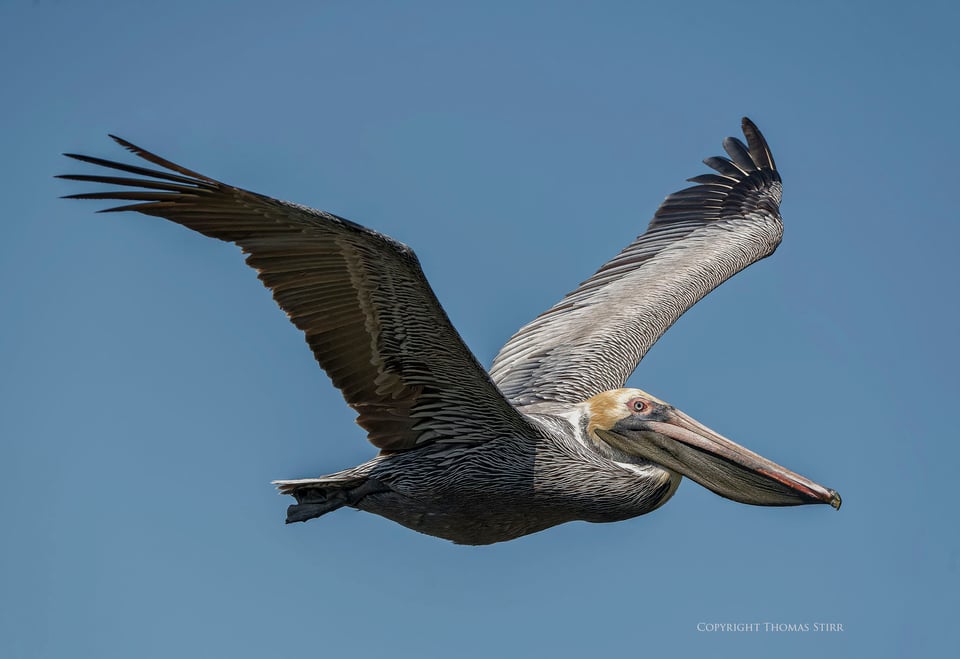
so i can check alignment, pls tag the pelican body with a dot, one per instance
(550, 434)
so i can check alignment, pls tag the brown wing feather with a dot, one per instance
(368, 313)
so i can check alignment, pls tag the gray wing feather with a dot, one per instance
(593, 339)
(368, 313)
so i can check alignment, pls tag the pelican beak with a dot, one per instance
(678, 442)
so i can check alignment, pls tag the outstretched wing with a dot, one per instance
(593, 339)
(368, 313)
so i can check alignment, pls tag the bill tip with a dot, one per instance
(835, 499)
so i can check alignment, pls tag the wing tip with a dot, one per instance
(759, 149)
(124, 143)
(751, 162)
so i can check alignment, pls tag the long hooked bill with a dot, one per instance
(688, 447)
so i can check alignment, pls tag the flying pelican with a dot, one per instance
(549, 435)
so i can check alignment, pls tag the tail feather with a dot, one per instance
(319, 496)
(291, 486)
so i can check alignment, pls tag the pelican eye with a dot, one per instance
(639, 405)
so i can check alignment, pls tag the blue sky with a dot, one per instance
(150, 390)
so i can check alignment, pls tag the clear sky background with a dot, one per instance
(150, 390)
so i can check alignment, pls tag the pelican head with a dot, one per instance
(630, 424)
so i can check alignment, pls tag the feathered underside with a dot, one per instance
(593, 339)
(361, 299)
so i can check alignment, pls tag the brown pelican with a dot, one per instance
(549, 435)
